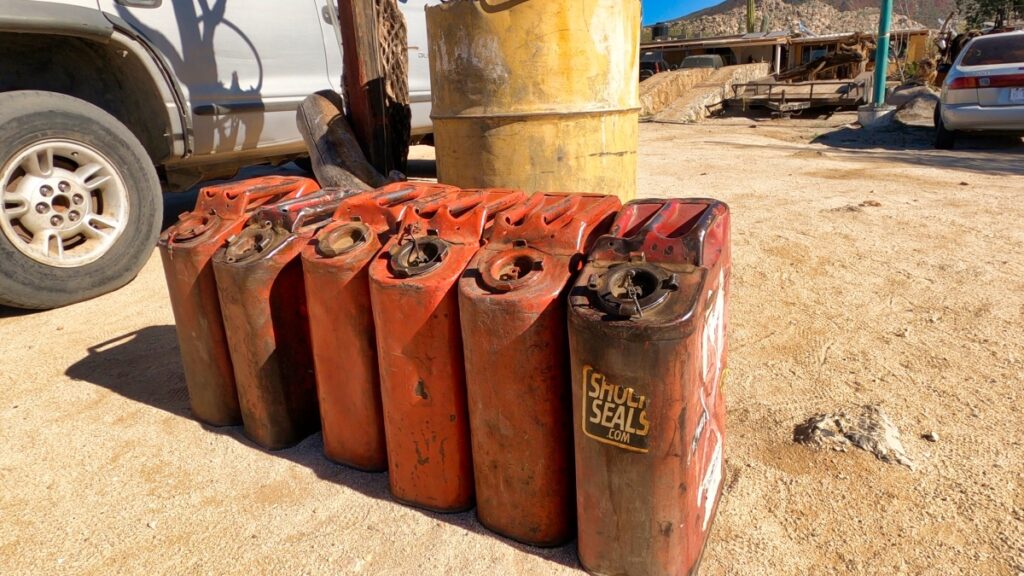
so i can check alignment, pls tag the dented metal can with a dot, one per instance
(512, 309)
(413, 291)
(336, 273)
(647, 336)
(263, 300)
(187, 250)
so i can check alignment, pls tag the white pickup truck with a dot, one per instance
(104, 103)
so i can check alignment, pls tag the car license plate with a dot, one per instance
(1017, 95)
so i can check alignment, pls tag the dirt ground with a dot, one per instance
(868, 269)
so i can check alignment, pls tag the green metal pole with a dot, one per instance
(882, 54)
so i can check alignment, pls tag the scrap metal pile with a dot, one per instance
(849, 60)
(834, 80)
(555, 360)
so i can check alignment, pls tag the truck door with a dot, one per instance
(419, 66)
(244, 65)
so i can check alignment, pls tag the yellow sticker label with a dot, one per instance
(613, 414)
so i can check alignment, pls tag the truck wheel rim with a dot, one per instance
(62, 203)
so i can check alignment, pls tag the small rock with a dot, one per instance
(871, 203)
(151, 524)
(918, 110)
(964, 184)
(902, 96)
(931, 436)
(848, 208)
(871, 430)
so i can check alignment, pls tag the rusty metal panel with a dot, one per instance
(336, 271)
(419, 346)
(647, 326)
(512, 309)
(187, 250)
(263, 300)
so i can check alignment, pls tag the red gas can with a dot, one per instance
(259, 280)
(336, 270)
(512, 307)
(187, 249)
(647, 326)
(419, 346)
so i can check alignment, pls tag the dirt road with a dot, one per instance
(862, 275)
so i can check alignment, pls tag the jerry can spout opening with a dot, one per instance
(418, 256)
(629, 290)
(252, 242)
(344, 239)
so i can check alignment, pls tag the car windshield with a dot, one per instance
(1008, 49)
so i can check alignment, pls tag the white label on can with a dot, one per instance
(713, 343)
(707, 494)
(698, 431)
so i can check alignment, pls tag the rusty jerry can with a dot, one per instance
(263, 300)
(335, 267)
(413, 291)
(512, 308)
(187, 250)
(647, 325)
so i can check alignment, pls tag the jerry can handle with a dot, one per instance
(504, 202)
(399, 196)
(312, 215)
(565, 206)
(294, 214)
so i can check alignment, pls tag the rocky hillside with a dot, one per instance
(818, 16)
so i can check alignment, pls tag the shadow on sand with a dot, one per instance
(117, 363)
(987, 154)
(904, 143)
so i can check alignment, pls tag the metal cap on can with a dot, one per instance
(417, 256)
(630, 289)
(638, 265)
(255, 240)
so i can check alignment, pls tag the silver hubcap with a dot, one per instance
(62, 203)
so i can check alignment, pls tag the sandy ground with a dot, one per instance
(914, 304)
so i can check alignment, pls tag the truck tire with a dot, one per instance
(80, 202)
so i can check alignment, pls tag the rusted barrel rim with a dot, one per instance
(344, 239)
(630, 289)
(418, 256)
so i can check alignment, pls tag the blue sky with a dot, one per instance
(657, 10)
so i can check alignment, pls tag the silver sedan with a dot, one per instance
(984, 91)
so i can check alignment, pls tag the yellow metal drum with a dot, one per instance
(537, 95)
